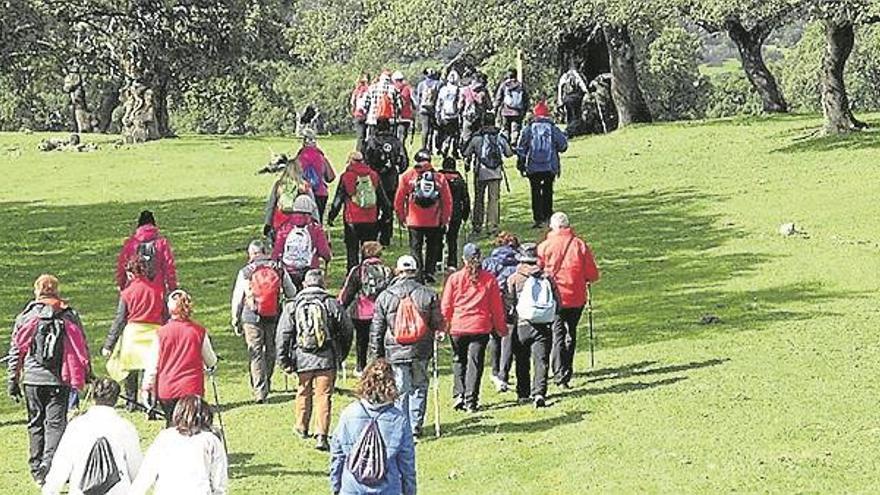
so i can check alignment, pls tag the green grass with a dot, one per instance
(780, 397)
(728, 66)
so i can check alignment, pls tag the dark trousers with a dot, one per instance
(564, 343)
(429, 129)
(168, 409)
(362, 342)
(501, 354)
(426, 246)
(542, 195)
(532, 341)
(468, 357)
(573, 112)
(512, 126)
(360, 129)
(452, 243)
(389, 182)
(355, 235)
(47, 420)
(322, 205)
(448, 139)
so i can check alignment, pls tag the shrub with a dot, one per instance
(670, 76)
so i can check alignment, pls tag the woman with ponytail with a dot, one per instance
(180, 356)
(473, 309)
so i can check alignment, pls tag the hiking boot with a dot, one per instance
(302, 434)
(322, 444)
(500, 385)
(523, 400)
(564, 386)
(540, 402)
(458, 404)
(471, 408)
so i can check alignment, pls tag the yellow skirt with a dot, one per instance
(132, 352)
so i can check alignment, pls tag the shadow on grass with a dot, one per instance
(474, 425)
(861, 140)
(642, 369)
(240, 466)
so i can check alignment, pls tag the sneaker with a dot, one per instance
(302, 434)
(540, 402)
(471, 408)
(500, 385)
(358, 373)
(564, 386)
(322, 444)
(523, 400)
(458, 404)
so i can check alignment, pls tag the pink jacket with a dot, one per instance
(166, 271)
(319, 238)
(315, 164)
(75, 362)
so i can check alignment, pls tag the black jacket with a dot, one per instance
(461, 199)
(382, 341)
(339, 334)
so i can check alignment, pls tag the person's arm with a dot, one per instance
(406, 462)
(238, 297)
(403, 161)
(116, 327)
(435, 317)
(208, 355)
(338, 203)
(506, 149)
(351, 287)
(560, 141)
(170, 266)
(121, 260)
(383, 203)
(445, 203)
(151, 364)
(496, 305)
(591, 270)
(559, 89)
(149, 470)
(378, 327)
(288, 288)
(133, 456)
(284, 338)
(329, 173)
(337, 457)
(510, 297)
(447, 304)
(467, 203)
(322, 244)
(343, 331)
(400, 197)
(525, 139)
(270, 206)
(62, 462)
(219, 464)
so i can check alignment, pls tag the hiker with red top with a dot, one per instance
(472, 308)
(365, 204)
(360, 105)
(49, 357)
(301, 242)
(261, 287)
(180, 356)
(154, 248)
(279, 205)
(384, 102)
(405, 116)
(569, 261)
(538, 159)
(362, 287)
(316, 170)
(385, 154)
(406, 320)
(140, 312)
(424, 205)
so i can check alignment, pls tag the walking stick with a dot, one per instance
(436, 370)
(211, 372)
(590, 320)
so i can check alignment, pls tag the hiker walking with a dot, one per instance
(407, 319)
(139, 314)
(538, 159)
(485, 152)
(461, 209)
(373, 450)
(385, 154)
(384, 102)
(476, 103)
(361, 195)
(570, 92)
(301, 242)
(316, 170)
(534, 298)
(151, 246)
(180, 356)
(448, 116)
(363, 285)
(359, 102)
(426, 103)
(98, 435)
(187, 457)
(260, 289)
(316, 334)
(569, 261)
(424, 205)
(472, 308)
(511, 102)
(48, 357)
(280, 203)
(502, 263)
(404, 120)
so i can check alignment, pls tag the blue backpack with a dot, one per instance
(311, 176)
(368, 459)
(541, 144)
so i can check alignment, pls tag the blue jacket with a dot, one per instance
(400, 477)
(502, 263)
(559, 145)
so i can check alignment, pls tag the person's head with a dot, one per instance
(180, 305)
(46, 286)
(136, 266)
(192, 415)
(559, 220)
(505, 238)
(452, 77)
(489, 119)
(449, 163)
(377, 384)
(371, 249)
(572, 64)
(422, 156)
(105, 392)
(383, 125)
(407, 265)
(256, 248)
(397, 76)
(434, 75)
(512, 73)
(472, 260)
(482, 78)
(355, 157)
(310, 138)
(541, 110)
(364, 79)
(294, 170)
(314, 278)
(146, 218)
(528, 254)
(385, 77)
(304, 204)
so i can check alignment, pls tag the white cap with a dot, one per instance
(397, 76)
(407, 263)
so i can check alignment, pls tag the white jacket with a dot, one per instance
(179, 464)
(77, 442)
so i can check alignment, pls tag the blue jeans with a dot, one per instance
(412, 386)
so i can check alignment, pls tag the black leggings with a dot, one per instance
(469, 355)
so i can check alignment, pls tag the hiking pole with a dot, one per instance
(436, 373)
(590, 320)
(143, 407)
(506, 180)
(601, 116)
(211, 372)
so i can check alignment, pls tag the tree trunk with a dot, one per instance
(109, 102)
(82, 119)
(839, 41)
(750, 44)
(139, 121)
(163, 121)
(628, 97)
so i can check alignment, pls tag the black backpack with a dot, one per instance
(383, 155)
(146, 253)
(47, 347)
(490, 152)
(458, 190)
(101, 473)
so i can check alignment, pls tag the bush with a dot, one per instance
(670, 76)
(35, 103)
(730, 93)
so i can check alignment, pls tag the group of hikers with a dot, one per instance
(522, 302)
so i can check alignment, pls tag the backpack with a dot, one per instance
(428, 97)
(381, 156)
(288, 191)
(474, 106)
(458, 190)
(146, 253)
(47, 347)
(367, 461)
(385, 107)
(311, 320)
(364, 192)
(361, 102)
(570, 86)
(513, 97)
(298, 248)
(449, 106)
(374, 279)
(101, 473)
(426, 192)
(490, 152)
(409, 324)
(541, 144)
(310, 174)
(264, 285)
(536, 303)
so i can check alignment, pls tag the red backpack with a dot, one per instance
(385, 107)
(409, 324)
(265, 288)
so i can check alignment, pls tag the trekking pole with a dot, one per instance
(590, 320)
(286, 385)
(211, 372)
(436, 373)
(142, 407)
(601, 116)
(506, 180)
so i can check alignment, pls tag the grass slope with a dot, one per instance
(778, 398)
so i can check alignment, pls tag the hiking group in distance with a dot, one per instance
(522, 303)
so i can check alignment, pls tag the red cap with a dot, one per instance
(541, 109)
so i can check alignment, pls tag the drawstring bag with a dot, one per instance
(368, 459)
(101, 473)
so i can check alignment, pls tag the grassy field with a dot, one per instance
(779, 397)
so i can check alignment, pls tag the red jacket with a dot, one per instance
(166, 272)
(348, 181)
(406, 101)
(180, 371)
(473, 309)
(319, 238)
(413, 215)
(359, 92)
(144, 301)
(570, 262)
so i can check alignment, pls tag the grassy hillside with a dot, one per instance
(779, 397)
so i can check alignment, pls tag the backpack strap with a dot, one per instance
(564, 254)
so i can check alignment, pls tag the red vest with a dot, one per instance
(145, 301)
(181, 367)
(354, 214)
